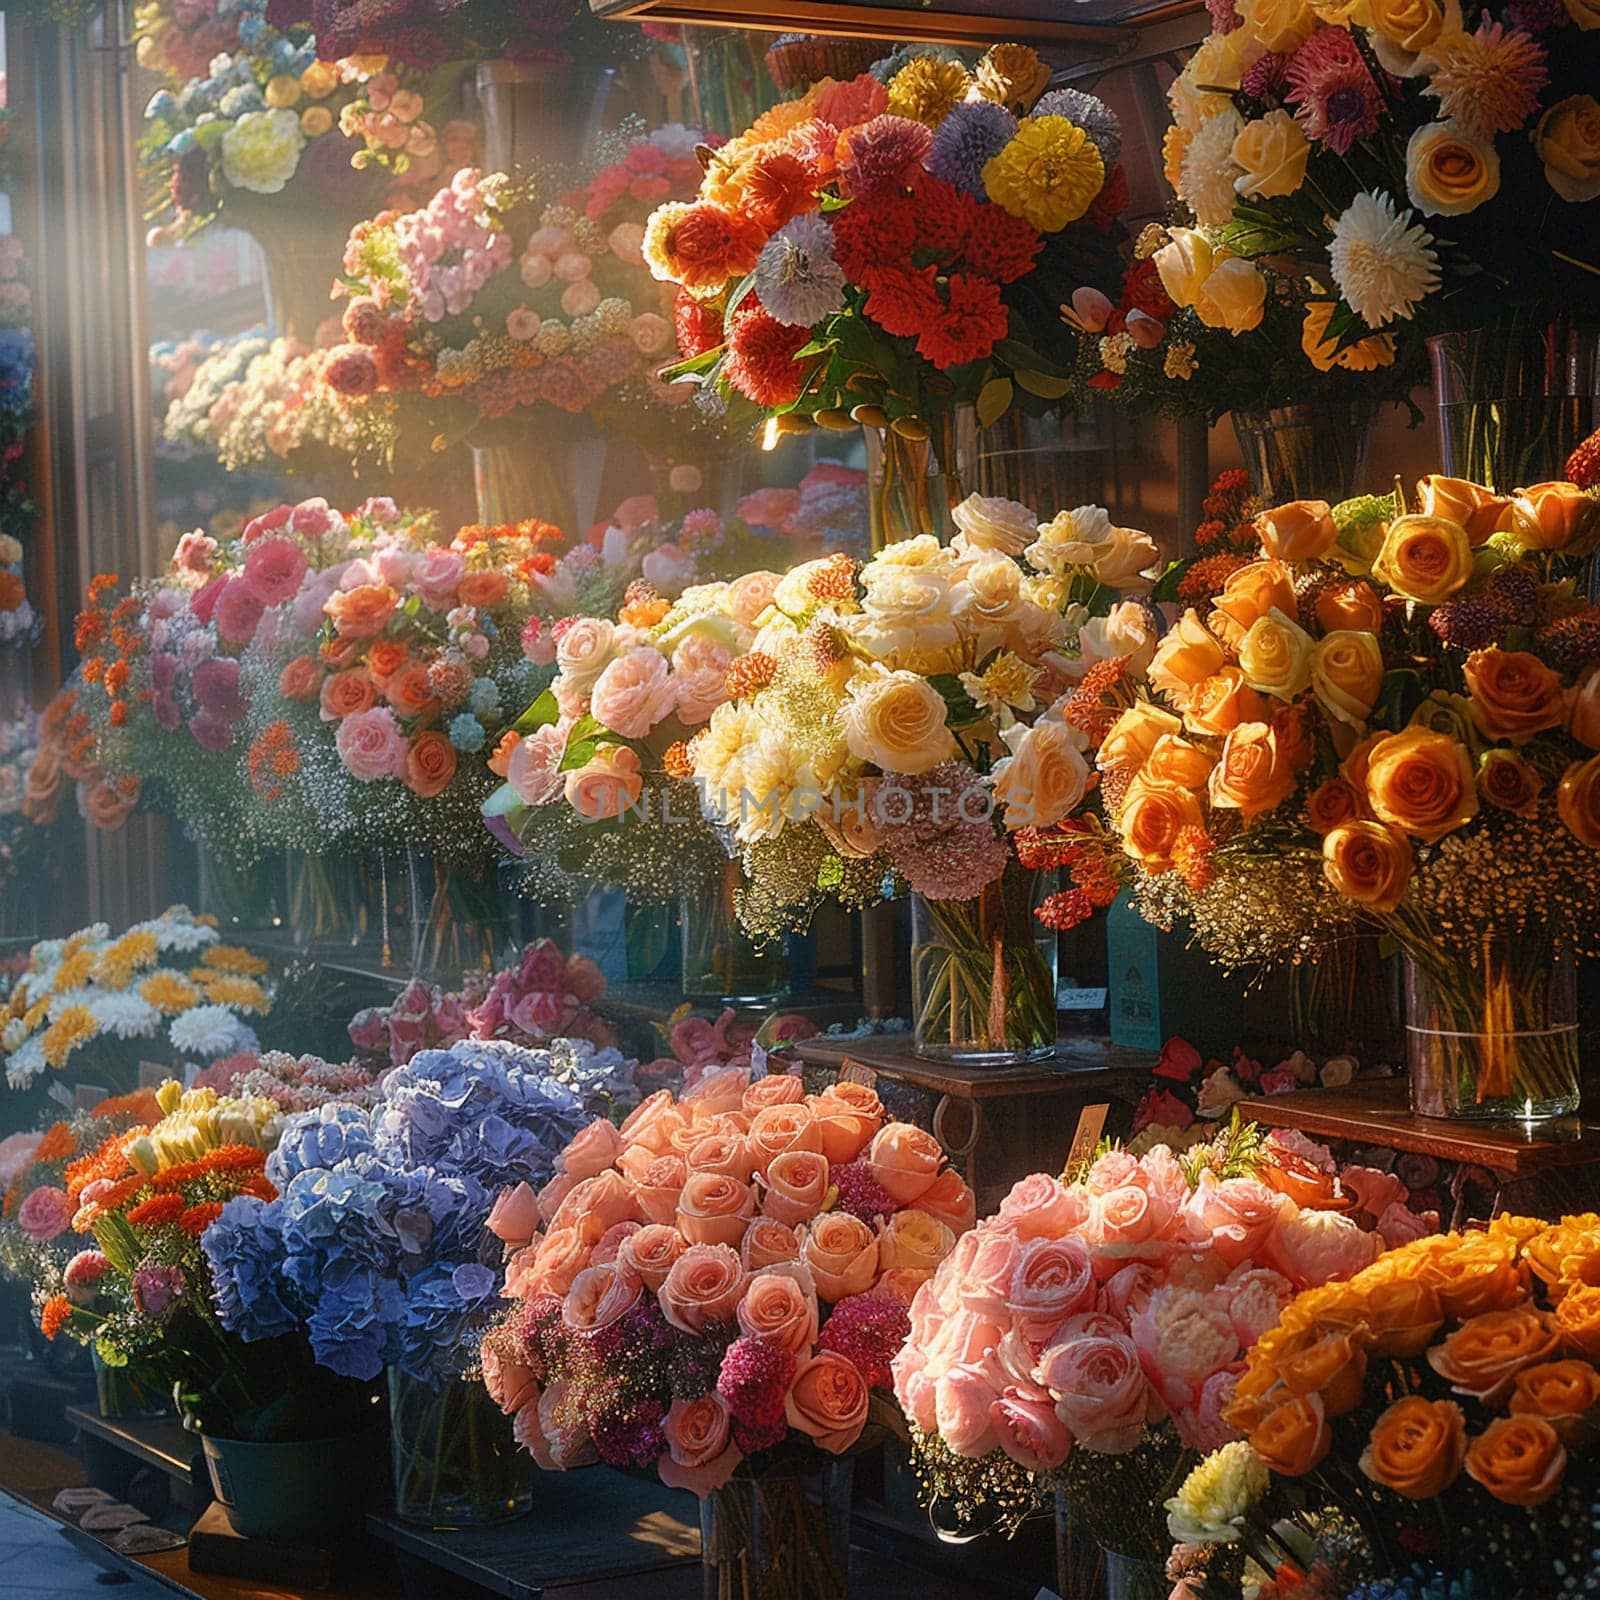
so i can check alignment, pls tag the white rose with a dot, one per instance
(1068, 539)
(1126, 560)
(896, 720)
(1045, 777)
(1125, 632)
(583, 651)
(989, 522)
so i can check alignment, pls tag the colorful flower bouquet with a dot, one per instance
(885, 251)
(1430, 1419)
(886, 717)
(1388, 157)
(99, 1005)
(380, 1251)
(486, 302)
(294, 1083)
(1386, 719)
(1090, 1334)
(715, 1290)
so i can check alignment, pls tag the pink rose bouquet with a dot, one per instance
(1090, 1334)
(723, 1278)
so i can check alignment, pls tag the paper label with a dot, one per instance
(1091, 1124)
(1080, 999)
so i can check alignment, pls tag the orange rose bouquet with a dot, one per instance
(716, 1289)
(1443, 1401)
(1387, 714)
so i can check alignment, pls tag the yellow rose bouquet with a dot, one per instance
(900, 723)
(1440, 1405)
(1390, 718)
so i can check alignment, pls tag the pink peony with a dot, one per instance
(1256, 1297)
(700, 678)
(533, 770)
(1183, 1336)
(1313, 1247)
(634, 693)
(45, 1214)
(371, 745)
(1200, 1426)
(1100, 1391)
(1029, 1431)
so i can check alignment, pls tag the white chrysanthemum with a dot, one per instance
(1383, 263)
(24, 1065)
(210, 1031)
(124, 1014)
(1217, 1495)
(1207, 172)
(67, 999)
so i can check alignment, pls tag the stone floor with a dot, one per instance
(35, 1561)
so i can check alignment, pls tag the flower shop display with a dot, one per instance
(94, 1006)
(1425, 1423)
(289, 1444)
(18, 513)
(714, 1291)
(1423, 173)
(699, 1045)
(27, 842)
(888, 716)
(295, 1083)
(1383, 721)
(1089, 1335)
(380, 1251)
(885, 250)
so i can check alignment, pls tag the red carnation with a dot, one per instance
(904, 301)
(1142, 291)
(1004, 246)
(761, 356)
(698, 326)
(968, 327)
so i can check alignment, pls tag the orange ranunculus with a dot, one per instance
(1578, 1319)
(430, 764)
(1251, 593)
(1421, 782)
(1482, 1357)
(485, 589)
(1555, 516)
(1578, 801)
(1417, 1447)
(1302, 530)
(1519, 1460)
(1293, 1437)
(1514, 695)
(1151, 818)
(1133, 736)
(1425, 559)
(1221, 702)
(1347, 675)
(1565, 1393)
(1334, 1367)
(1354, 606)
(1368, 864)
(1173, 759)
(1334, 802)
(1508, 783)
(410, 690)
(362, 612)
(1187, 655)
(1402, 1314)
(1251, 776)
(1479, 510)
(301, 679)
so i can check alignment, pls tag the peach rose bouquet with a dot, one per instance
(1388, 717)
(1091, 1333)
(1441, 1402)
(716, 1290)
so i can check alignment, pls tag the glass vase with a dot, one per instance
(913, 482)
(720, 963)
(455, 1462)
(1494, 1038)
(460, 921)
(1048, 463)
(983, 974)
(513, 482)
(1313, 451)
(127, 1390)
(778, 1536)
(1515, 398)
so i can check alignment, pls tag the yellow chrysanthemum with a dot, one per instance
(35, 1014)
(927, 90)
(75, 971)
(75, 1026)
(1049, 174)
(230, 958)
(169, 992)
(119, 961)
(242, 994)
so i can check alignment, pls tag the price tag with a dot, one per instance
(855, 1072)
(1081, 1000)
(1091, 1124)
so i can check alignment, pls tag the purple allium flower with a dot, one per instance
(973, 133)
(797, 278)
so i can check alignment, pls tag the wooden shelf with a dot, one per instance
(1379, 1112)
(159, 1442)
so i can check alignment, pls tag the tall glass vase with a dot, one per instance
(459, 919)
(1494, 1038)
(1313, 451)
(513, 482)
(721, 964)
(1048, 463)
(778, 1535)
(1515, 398)
(915, 481)
(455, 1462)
(983, 974)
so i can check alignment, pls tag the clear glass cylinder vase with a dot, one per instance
(778, 1536)
(1313, 451)
(721, 964)
(460, 919)
(1134, 1578)
(913, 481)
(983, 974)
(1494, 1038)
(455, 1463)
(539, 115)
(1047, 463)
(514, 482)
(1515, 398)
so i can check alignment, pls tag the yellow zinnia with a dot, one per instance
(927, 90)
(1049, 174)
(73, 1027)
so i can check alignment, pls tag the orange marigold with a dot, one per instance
(56, 1145)
(1207, 576)
(835, 579)
(93, 669)
(102, 583)
(118, 713)
(751, 673)
(141, 1106)
(53, 1315)
(676, 763)
(107, 1161)
(1191, 857)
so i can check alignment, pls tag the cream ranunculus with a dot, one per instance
(897, 721)
(1449, 172)
(1233, 297)
(1275, 656)
(1273, 152)
(1184, 264)
(1347, 675)
(1567, 141)
(1045, 776)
